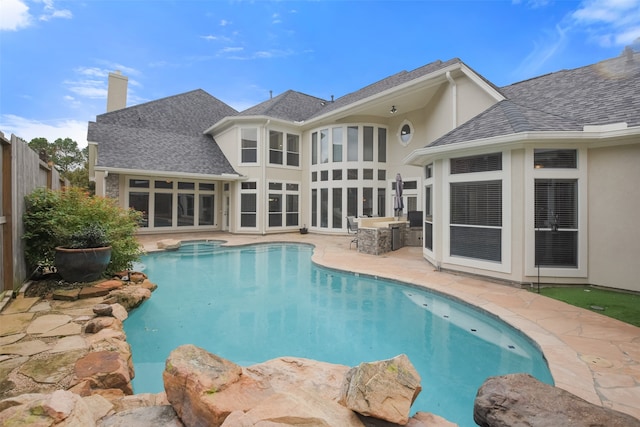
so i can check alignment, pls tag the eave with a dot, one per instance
(170, 174)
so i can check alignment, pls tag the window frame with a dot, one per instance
(242, 148)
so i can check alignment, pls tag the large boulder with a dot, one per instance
(130, 296)
(104, 370)
(384, 389)
(522, 400)
(60, 408)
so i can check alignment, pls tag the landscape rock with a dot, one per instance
(164, 416)
(294, 409)
(52, 369)
(92, 292)
(99, 323)
(99, 406)
(58, 408)
(130, 296)
(102, 310)
(522, 400)
(147, 284)
(427, 419)
(43, 324)
(66, 294)
(169, 244)
(137, 277)
(105, 370)
(119, 312)
(384, 389)
(110, 284)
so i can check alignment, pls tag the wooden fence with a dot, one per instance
(22, 172)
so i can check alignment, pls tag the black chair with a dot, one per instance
(352, 228)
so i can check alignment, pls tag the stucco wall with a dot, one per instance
(614, 213)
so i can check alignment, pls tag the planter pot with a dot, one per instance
(304, 231)
(82, 265)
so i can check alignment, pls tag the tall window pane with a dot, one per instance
(249, 145)
(248, 206)
(314, 208)
(337, 144)
(337, 208)
(352, 144)
(324, 146)
(163, 207)
(382, 201)
(276, 147)
(367, 141)
(293, 150)
(367, 201)
(382, 145)
(324, 207)
(186, 209)
(275, 210)
(314, 148)
(140, 202)
(206, 209)
(352, 201)
(292, 210)
(556, 222)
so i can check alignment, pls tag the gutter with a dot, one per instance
(169, 174)
(454, 100)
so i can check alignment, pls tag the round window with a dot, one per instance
(405, 133)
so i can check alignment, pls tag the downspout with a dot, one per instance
(265, 189)
(454, 100)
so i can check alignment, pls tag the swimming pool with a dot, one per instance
(254, 303)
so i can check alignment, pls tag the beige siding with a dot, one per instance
(614, 206)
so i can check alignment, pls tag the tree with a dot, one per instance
(67, 158)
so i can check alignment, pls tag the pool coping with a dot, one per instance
(590, 355)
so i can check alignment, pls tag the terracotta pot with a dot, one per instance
(82, 265)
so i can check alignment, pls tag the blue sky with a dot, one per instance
(55, 55)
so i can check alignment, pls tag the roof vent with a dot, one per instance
(628, 52)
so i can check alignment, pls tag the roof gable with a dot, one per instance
(290, 105)
(188, 113)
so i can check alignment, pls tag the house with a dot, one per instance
(533, 182)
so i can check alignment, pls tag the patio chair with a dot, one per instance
(352, 228)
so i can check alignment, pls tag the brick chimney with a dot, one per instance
(117, 91)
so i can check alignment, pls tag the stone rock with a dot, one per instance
(169, 244)
(426, 419)
(140, 400)
(44, 324)
(10, 339)
(25, 348)
(137, 277)
(164, 416)
(99, 406)
(14, 323)
(71, 328)
(66, 294)
(109, 284)
(194, 380)
(61, 408)
(130, 297)
(71, 343)
(99, 323)
(294, 409)
(522, 400)
(104, 370)
(52, 369)
(102, 310)
(20, 305)
(92, 292)
(384, 389)
(149, 285)
(119, 312)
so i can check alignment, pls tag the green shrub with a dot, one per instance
(74, 219)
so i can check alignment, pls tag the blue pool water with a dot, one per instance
(254, 303)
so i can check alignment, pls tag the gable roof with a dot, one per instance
(603, 93)
(290, 105)
(188, 113)
(165, 135)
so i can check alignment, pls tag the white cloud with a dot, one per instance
(608, 22)
(224, 22)
(28, 129)
(14, 15)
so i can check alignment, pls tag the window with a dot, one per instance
(476, 220)
(293, 204)
(337, 174)
(472, 164)
(556, 222)
(567, 159)
(324, 207)
(367, 201)
(337, 144)
(276, 147)
(324, 146)
(405, 133)
(352, 173)
(314, 148)
(428, 217)
(249, 145)
(382, 175)
(382, 194)
(382, 145)
(337, 208)
(352, 144)
(352, 201)
(428, 171)
(314, 207)
(163, 208)
(367, 144)
(248, 204)
(367, 174)
(140, 202)
(324, 175)
(293, 150)
(275, 204)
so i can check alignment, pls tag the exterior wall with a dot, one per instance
(112, 187)
(614, 203)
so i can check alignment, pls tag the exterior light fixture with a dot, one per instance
(393, 109)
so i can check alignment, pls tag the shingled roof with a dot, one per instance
(163, 135)
(602, 93)
(290, 105)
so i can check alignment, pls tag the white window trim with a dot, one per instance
(239, 206)
(284, 151)
(258, 145)
(429, 182)
(504, 175)
(530, 175)
(399, 133)
(284, 192)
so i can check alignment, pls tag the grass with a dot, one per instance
(618, 305)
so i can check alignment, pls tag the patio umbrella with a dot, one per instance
(398, 205)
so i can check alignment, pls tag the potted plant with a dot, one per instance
(70, 221)
(84, 255)
(304, 229)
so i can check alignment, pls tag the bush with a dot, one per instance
(74, 219)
